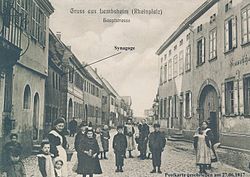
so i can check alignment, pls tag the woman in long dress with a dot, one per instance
(203, 145)
(58, 143)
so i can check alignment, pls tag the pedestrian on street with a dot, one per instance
(202, 146)
(157, 143)
(88, 153)
(16, 167)
(105, 140)
(99, 141)
(129, 133)
(143, 138)
(72, 127)
(119, 146)
(78, 139)
(45, 163)
(58, 143)
(12, 145)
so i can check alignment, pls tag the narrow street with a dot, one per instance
(173, 161)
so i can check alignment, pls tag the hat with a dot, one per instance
(58, 159)
(83, 124)
(119, 127)
(58, 121)
(157, 125)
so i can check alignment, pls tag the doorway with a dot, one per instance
(209, 109)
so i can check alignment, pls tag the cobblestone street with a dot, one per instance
(173, 161)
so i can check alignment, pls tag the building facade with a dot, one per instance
(53, 86)
(204, 74)
(24, 41)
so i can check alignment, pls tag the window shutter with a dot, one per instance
(244, 26)
(226, 36)
(203, 51)
(241, 96)
(223, 98)
(215, 43)
(184, 104)
(167, 106)
(211, 45)
(236, 98)
(234, 28)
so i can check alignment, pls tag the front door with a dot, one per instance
(209, 109)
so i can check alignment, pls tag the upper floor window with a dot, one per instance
(165, 72)
(181, 42)
(188, 58)
(170, 69)
(175, 65)
(201, 51)
(71, 74)
(230, 34)
(199, 28)
(161, 75)
(212, 18)
(229, 97)
(228, 6)
(181, 62)
(165, 56)
(169, 52)
(245, 24)
(212, 44)
(175, 47)
(188, 36)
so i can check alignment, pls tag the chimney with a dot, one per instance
(69, 47)
(58, 35)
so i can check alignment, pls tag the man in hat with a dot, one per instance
(157, 143)
(129, 133)
(119, 146)
(72, 127)
(143, 138)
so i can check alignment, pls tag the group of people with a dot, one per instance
(92, 145)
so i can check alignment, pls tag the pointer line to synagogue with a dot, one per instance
(82, 67)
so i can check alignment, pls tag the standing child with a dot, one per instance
(45, 163)
(99, 140)
(119, 146)
(157, 143)
(105, 140)
(58, 167)
(16, 167)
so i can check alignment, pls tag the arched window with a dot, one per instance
(26, 97)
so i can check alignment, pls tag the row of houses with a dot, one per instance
(204, 75)
(41, 79)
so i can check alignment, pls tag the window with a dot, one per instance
(201, 51)
(188, 37)
(228, 5)
(212, 18)
(22, 7)
(165, 57)
(26, 98)
(71, 74)
(230, 34)
(169, 52)
(161, 108)
(245, 23)
(161, 59)
(112, 101)
(188, 104)
(161, 75)
(175, 47)
(56, 81)
(229, 97)
(247, 95)
(165, 72)
(165, 108)
(181, 62)
(170, 69)
(38, 24)
(170, 110)
(175, 65)
(188, 58)
(175, 106)
(78, 81)
(212, 44)
(199, 28)
(181, 42)
(53, 80)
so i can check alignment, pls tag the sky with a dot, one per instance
(132, 73)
